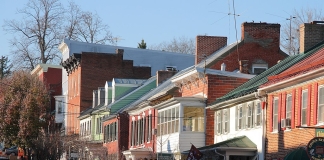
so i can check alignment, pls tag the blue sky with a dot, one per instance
(157, 21)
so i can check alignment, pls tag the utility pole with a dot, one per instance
(290, 37)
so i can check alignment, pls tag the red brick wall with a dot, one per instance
(152, 143)
(279, 144)
(121, 144)
(94, 70)
(206, 45)
(216, 87)
(260, 42)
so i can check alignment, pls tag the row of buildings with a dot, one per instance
(242, 101)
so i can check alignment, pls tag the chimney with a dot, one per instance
(223, 67)
(251, 32)
(244, 66)
(101, 95)
(161, 76)
(120, 51)
(94, 98)
(207, 45)
(310, 34)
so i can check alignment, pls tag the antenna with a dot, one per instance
(116, 39)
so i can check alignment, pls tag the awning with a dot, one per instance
(238, 143)
(297, 154)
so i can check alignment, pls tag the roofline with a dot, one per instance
(312, 75)
(232, 102)
(176, 100)
(44, 67)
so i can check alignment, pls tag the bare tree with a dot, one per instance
(45, 23)
(179, 45)
(290, 31)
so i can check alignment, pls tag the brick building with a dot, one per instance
(295, 100)
(88, 66)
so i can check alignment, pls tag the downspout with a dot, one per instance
(220, 154)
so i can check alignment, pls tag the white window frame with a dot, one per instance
(258, 112)
(241, 117)
(262, 66)
(275, 115)
(249, 115)
(226, 123)
(320, 109)
(288, 106)
(303, 108)
(218, 122)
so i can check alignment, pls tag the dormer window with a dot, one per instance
(259, 68)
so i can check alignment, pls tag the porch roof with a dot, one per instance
(241, 142)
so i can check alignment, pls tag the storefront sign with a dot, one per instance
(315, 148)
(319, 132)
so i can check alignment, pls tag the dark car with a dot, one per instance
(12, 151)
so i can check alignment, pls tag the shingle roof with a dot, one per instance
(253, 84)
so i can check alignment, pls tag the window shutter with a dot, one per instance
(293, 95)
(117, 130)
(315, 103)
(299, 106)
(309, 105)
(270, 113)
(244, 119)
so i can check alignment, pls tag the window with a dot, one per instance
(99, 125)
(219, 122)
(225, 121)
(193, 119)
(111, 132)
(321, 104)
(168, 121)
(288, 108)
(240, 117)
(275, 114)
(258, 113)
(304, 108)
(149, 135)
(250, 115)
(222, 121)
(259, 68)
(133, 134)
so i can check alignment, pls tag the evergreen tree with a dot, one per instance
(142, 45)
(4, 67)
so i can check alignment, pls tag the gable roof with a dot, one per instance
(253, 84)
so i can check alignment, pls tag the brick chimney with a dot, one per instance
(310, 34)
(207, 45)
(251, 32)
(161, 76)
(244, 66)
(120, 51)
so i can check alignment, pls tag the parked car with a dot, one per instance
(12, 151)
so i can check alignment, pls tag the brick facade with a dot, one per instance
(279, 144)
(115, 148)
(93, 71)
(215, 87)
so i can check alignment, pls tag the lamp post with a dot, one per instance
(290, 38)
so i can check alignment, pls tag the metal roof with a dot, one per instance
(129, 81)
